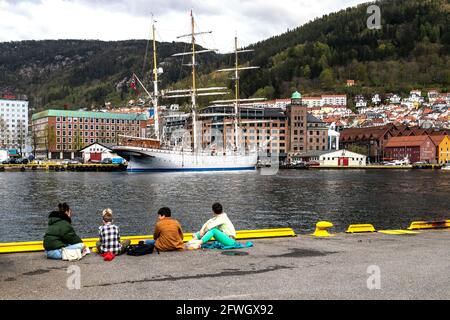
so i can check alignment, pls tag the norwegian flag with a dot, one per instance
(133, 84)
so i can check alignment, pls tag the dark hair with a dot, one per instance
(63, 207)
(165, 212)
(217, 208)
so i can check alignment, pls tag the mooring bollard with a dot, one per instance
(322, 229)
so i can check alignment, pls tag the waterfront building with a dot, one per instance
(60, 134)
(306, 132)
(173, 121)
(281, 131)
(298, 117)
(335, 158)
(442, 143)
(333, 137)
(342, 158)
(373, 139)
(97, 152)
(262, 128)
(317, 135)
(13, 123)
(415, 148)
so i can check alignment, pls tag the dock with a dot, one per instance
(304, 267)
(50, 166)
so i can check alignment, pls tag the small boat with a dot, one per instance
(446, 167)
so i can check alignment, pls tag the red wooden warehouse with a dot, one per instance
(416, 148)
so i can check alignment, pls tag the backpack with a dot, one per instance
(140, 249)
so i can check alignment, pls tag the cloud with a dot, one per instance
(252, 20)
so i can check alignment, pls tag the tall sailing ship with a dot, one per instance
(144, 154)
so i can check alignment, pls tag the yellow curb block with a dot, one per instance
(421, 225)
(34, 246)
(360, 228)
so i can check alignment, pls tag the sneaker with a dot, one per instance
(86, 251)
(194, 244)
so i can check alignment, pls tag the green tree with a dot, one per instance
(327, 79)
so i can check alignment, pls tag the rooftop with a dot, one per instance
(88, 114)
(407, 141)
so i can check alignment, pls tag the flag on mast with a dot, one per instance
(133, 84)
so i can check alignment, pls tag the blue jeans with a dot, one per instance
(150, 242)
(57, 254)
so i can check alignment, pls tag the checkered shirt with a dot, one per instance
(109, 238)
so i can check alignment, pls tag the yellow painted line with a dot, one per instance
(397, 232)
(34, 246)
(420, 225)
(360, 228)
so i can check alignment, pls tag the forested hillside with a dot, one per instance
(411, 50)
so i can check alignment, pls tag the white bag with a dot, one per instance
(194, 244)
(71, 254)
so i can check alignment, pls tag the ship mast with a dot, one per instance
(194, 92)
(237, 100)
(194, 88)
(155, 82)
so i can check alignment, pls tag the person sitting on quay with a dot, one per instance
(168, 235)
(109, 243)
(60, 233)
(220, 227)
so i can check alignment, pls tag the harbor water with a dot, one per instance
(291, 198)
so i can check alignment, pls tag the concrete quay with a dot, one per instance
(340, 267)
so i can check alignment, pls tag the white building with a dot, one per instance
(13, 123)
(361, 103)
(97, 152)
(334, 100)
(395, 99)
(4, 155)
(343, 158)
(376, 99)
(325, 100)
(333, 137)
(312, 102)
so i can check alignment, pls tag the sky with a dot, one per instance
(250, 20)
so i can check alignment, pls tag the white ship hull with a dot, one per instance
(159, 160)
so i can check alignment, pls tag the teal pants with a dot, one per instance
(218, 235)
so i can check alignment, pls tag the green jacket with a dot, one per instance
(60, 232)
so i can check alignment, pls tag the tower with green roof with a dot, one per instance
(296, 98)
